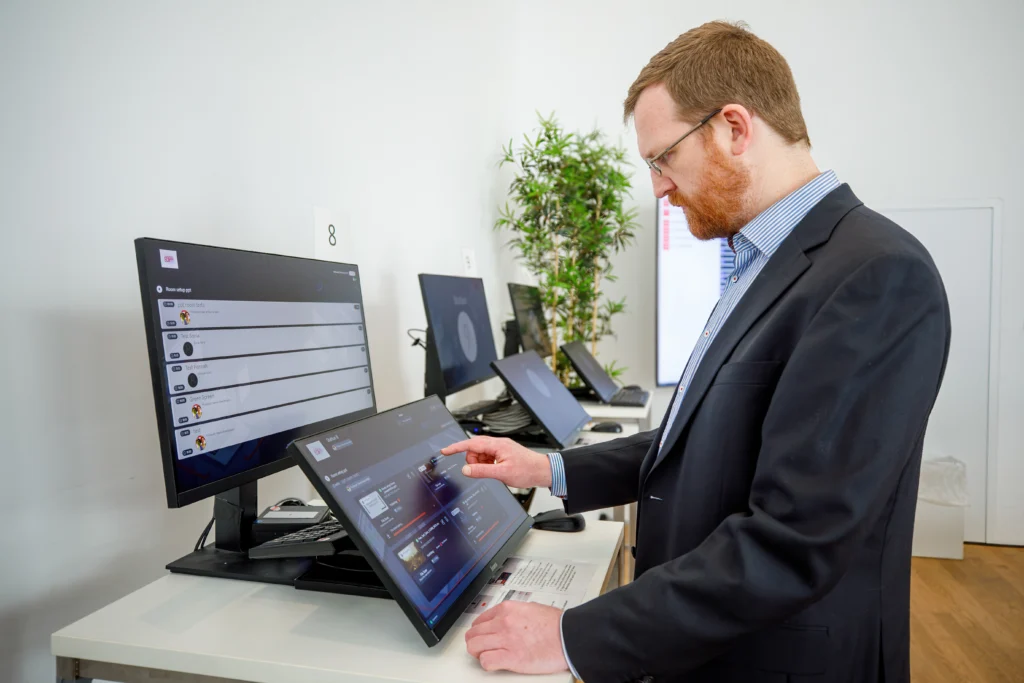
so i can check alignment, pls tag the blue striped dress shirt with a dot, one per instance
(753, 245)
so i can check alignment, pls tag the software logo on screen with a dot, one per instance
(467, 337)
(168, 258)
(317, 450)
(538, 383)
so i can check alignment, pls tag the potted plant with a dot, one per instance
(568, 218)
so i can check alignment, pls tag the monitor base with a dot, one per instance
(585, 393)
(348, 573)
(227, 564)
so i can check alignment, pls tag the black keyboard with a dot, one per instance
(630, 398)
(325, 538)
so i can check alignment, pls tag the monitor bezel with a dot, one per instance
(573, 434)
(430, 636)
(572, 347)
(176, 498)
(430, 329)
(515, 314)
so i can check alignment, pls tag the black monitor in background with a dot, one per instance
(460, 343)
(433, 536)
(539, 390)
(248, 351)
(529, 313)
(590, 370)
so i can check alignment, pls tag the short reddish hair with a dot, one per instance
(721, 63)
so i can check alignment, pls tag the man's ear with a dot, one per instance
(740, 122)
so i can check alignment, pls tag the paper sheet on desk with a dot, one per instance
(548, 582)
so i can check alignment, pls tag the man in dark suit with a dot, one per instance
(776, 500)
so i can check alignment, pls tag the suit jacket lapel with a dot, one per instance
(783, 268)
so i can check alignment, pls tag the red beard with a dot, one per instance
(717, 208)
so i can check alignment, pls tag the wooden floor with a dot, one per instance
(967, 617)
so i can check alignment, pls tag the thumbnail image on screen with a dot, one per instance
(529, 312)
(460, 326)
(249, 351)
(432, 528)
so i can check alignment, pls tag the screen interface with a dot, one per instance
(252, 350)
(590, 369)
(540, 390)
(433, 529)
(529, 312)
(457, 315)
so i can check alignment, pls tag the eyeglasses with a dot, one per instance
(652, 163)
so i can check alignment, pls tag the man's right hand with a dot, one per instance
(503, 459)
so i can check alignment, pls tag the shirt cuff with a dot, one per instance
(558, 484)
(565, 654)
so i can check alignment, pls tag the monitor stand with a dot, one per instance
(584, 393)
(433, 377)
(234, 512)
(347, 572)
(513, 340)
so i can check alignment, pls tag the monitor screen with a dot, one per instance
(431, 534)
(248, 351)
(529, 312)
(540, 391)
(691, 275)
(590, 370)
(460, 328)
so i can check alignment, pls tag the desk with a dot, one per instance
(188, 629)
(641, 417)
(543, 501)
(603, 411)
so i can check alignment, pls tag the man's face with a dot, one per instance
(697, 174)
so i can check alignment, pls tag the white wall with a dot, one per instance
(225, 123)
(909, 102)
(220, 123)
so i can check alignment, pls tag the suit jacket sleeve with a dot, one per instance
(605, 475)
(849, 409)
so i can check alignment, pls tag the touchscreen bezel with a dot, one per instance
(574, 352)
(573, 434)
(431, 636)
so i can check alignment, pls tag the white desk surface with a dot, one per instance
(275, 634)
(604, 411)
(588, 437)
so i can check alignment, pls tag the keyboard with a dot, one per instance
(630, 398)
(325, 538)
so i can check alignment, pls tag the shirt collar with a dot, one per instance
(773, 225)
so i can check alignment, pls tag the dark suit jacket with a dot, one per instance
(774, 528)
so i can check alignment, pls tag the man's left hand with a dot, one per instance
(518, 636)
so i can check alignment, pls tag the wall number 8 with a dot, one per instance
(331, 239)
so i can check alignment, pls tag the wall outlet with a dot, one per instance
(469, 261)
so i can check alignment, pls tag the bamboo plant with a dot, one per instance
(567, 216)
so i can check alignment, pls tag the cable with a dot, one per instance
(202, 537)
(508, 420)
(416, 341)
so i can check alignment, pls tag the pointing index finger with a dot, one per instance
(476, 444)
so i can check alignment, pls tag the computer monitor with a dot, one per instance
(590, 370)
(459, 337)
(539, 390)
(247, 351)
(433, 536)
(529, 312)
